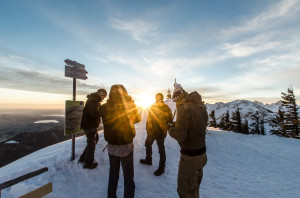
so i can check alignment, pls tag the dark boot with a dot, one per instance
(146, 161)
(159, 171)
(90, 166)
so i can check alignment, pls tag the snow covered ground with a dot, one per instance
(238, 166)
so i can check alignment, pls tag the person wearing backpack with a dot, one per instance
(159, 115)
(189, 131)
(119, 115)
(89, 122)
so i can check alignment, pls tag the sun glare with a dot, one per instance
(144, 100)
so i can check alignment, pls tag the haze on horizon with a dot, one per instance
(225, 50)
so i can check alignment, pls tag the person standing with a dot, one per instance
(90, 122)
(189, 131)
(119, 115)
(159, 115)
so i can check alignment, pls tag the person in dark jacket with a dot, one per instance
(119, 115)
(159, 115)
(90, 122)
(190, 131)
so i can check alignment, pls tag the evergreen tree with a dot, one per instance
(262, 127)
(255, 125)
(169, 96)
(277, 124)
(236, 121)
(227, 123)
(212, 117)
(291, 119)
(245, 127)
(222, 122)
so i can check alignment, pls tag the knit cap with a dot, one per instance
(177, 91)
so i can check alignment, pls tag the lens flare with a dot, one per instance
(144, 100)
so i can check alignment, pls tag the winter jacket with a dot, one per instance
(191, 122)
(119, 115)
(159, 115)
(91, 114)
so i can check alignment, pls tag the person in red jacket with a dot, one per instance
(90, 122)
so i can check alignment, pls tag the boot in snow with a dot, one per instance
(90, 166)
(146, 161)
(159, 172)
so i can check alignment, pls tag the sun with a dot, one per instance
(144, 100)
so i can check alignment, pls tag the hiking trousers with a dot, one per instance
(92, 139)
(161, 149)
(190, 173)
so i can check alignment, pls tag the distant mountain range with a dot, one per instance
(247, 109)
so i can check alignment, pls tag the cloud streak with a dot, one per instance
(139, 29)
(20, 73)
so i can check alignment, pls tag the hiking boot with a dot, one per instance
(90, 166)
(159, 172)
(146, 161)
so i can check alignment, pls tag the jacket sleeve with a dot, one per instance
(179, 132)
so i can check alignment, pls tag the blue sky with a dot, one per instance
(225, 50)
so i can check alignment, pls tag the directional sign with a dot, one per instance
(75, 75)
(74, 63)
(75, 71)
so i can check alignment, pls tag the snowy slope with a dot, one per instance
(238, 166)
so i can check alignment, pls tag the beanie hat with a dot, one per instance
(102, 92)
(177, 91)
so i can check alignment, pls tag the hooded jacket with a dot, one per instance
(191, 123)
(91, 112)
(119, 115)
(159, 115)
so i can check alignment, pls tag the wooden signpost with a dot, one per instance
(74, 70)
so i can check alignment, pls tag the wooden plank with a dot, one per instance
(39, 192)
(75, 75)
(74, 63)
(22, 178)
(75, 69)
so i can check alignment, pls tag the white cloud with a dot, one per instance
(139, 29)
(276, 15)
(250, 46)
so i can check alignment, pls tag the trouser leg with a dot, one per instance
(89, 151)
(83, 155)
(114, 170)
(162, 152)
(148, 144)
(128, 173)
(190, 173)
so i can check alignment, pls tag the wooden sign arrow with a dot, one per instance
(74, 63)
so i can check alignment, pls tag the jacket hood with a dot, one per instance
(118, 94)
(94, 95)
(193, 97)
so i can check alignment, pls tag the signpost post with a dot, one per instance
(74, 70)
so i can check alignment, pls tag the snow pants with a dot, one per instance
(190, 173)
(92, 139)
(161, 149)
(128, 174)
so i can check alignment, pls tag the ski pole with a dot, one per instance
(104, 148)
